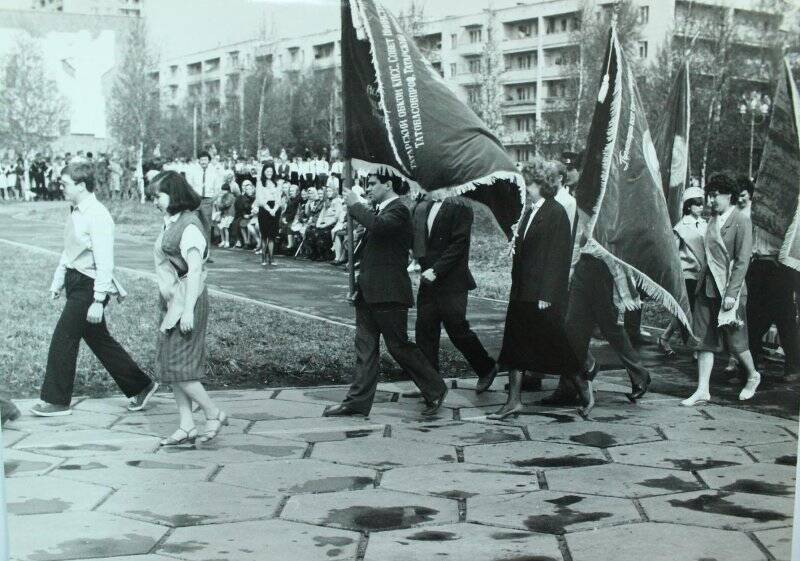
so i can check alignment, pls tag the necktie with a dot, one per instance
(204, 182)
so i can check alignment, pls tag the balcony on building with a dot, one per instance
(471, 40)
(521, 34)
(560, 62)
(468, 72)
(153, 79)
(561, 29)
(294, 60)
(520, 66)
(234, 63)
(194, 71)
(519, 98)
(211, 66)
(323, 56)
(430, 46)
(194, 91)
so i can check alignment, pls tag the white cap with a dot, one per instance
(693, 193)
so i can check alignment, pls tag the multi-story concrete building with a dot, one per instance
(538, 44)
(94, 7)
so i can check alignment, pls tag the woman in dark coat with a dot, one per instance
(534, 337)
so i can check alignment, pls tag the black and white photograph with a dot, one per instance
(399, 280)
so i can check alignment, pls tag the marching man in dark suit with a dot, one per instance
(383, 298)
(442, 232)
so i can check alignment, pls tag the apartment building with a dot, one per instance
(538, 47)
(93, 7)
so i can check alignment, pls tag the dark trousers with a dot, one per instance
(63, 355)
(435, 308)
(770, 299)
(591, 302)
(391, 321)
(204, 212)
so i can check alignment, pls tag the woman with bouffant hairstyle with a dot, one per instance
(180, 253)
(534, 337)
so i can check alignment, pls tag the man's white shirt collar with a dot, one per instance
(86, 203)
(385, 203)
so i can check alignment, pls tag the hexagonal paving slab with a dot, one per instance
(718, 509)
(11, 437)
(600, 435)
(468, 398)
(463, 434)
(236, 448)
(725, 432)
(371, 510)
(673, 454)
(410, 411)
(92, 534)
(18, 463)
(763, 479)
(326, 396)
(460, 542)
(551, 512)
(190, 504)
(136, 469)
(727, 413)
(258, 541)
(778, 541)
(619, 480)
(322, 429)
(76, 421)
(384, 452)
(269, 409)
(47, 495)
(160, 404)
(535, 455)
(294, 477)
(662, 542)
(783, 453)
(650, 414)
(93, 442)
(460, 481)
(531, 413)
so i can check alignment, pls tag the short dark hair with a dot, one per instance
(181, 195)
(545, 173)
(722, 184)
(745, 184)
(203, 153)
(80, 172)
(687, 205)
(384, 176)
(89, 155)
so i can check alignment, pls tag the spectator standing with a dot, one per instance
(206, 182)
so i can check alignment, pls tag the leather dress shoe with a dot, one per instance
(343, 411)
(638, 390)
(485, 382)
(434, 406)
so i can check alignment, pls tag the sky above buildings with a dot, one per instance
(180, 27)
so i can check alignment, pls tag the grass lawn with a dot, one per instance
(248, 345)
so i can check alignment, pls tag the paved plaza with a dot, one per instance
(652, 481)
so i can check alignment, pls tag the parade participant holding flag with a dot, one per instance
(402, 123)
(773, 276)
(625, 230)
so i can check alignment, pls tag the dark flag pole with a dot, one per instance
(348, 171)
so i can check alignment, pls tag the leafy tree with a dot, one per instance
(134, 103)
(489, 104)
(30, 104)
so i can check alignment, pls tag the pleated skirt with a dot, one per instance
(179, 357)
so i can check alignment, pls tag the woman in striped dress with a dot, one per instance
(180, 252)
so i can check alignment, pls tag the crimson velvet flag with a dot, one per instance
(620, 192)
(400, 116)
(776, 208)
(672, 143)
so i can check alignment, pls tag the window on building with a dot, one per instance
(642, 49)
(453, 40)
(576, 23)
(475, 66)
(476, 35)
(551, 26)
(453, 69)
(525, 123)
(523, 62)
(564, 24)
(525, 93)
(438, 67)
(523, 154)
(474, 94)
(644, 14)
(556, 89)
(173, 70)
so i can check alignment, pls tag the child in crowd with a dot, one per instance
(223, 214)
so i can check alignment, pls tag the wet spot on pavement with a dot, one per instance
(693, 465)
(788, 460)
(670, 483)
(331, 484)
(23, 466)
(83, 467)
(38, 506)
(433, 536)
(595, 438)
(719, 504)
(563, 518)
(560, 461)
(759, 487)
(380, 518)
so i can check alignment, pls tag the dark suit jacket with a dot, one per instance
(446, 248)
(540, 269)
(383, 274)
